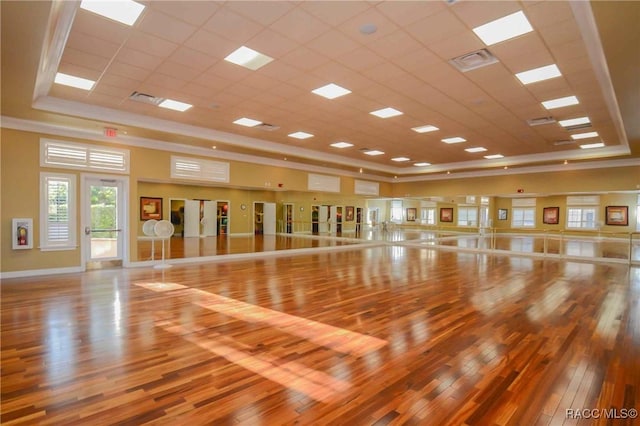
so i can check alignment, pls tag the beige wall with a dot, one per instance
(150, 176)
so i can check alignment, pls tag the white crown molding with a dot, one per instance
(497, 167)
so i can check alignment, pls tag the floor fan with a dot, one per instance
(163, 230)
(149, 231)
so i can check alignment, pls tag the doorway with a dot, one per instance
(223, 217)
(288, 218)
(104, 221)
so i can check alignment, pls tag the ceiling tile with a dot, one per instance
(474, 13)
(166, 27)
(404, 13)
(211, 44)
(272, 43)
(196, 60)
(334, 13)
(150, 44)
(83, 59)
(262, 12)
(395, 44)
(299, 25)
(333, 44)
(195, 13)
(436, 28)
(232, 26)
(138, 59)
(90, 44)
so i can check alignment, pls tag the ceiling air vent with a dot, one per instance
(541, 120)
(578, 126)
(147, 99)
(565, 142)
(473, 60)
(266, 126)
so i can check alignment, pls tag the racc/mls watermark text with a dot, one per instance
(601, 413)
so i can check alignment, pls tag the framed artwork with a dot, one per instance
(446, 214)
(349, 215)
(503, 214)
(551, 215)
(617, 215)
(411, 214)
(150, 208)
(22, 233)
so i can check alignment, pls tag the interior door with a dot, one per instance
(104, 220)
(191, 218)
(269, 218)
(209, 219)
(333, 223)
(322, 220)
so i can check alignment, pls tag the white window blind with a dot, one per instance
(363, 187)
(323, 183)
(199, 169)
(57, 211)
(72, 155)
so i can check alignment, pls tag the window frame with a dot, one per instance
(71, 242)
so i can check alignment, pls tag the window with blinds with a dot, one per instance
(199, 169)
(57, 212)
(83, 156)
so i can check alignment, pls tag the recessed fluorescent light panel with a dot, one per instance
(494, 156)
(574, 122)
(560, 102)
(476, 149)
(247, 122)
(374, 152)
(77, 82)
(425, 129)
(341, 145)
(400, 159)
(123, 11)
(422, 164)
(386, 112)
(584, 135)
(592, 145)
(331, 91)
(539, 74)
(300, 135)
(504, 28)
(174, 105)
(456, 139)
(248, 58)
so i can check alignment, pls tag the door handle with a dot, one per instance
(87, 230)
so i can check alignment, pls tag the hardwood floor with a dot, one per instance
(366, 336)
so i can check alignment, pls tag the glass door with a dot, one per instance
(103, 221)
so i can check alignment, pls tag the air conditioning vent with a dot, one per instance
(541, 120)
(578, 126)
(144, 98)
(565, 142)
(266, 126)
(471, 61)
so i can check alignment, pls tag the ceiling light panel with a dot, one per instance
(592, 145)
(400, 159)
(374, 152)
(422, 164)
(124, 11)
(247, 122)
(300, 135)
(504, 28)
(574, 122)
(425, 129)
(248, 58)
(72, 81)
(331, 91)
(560, 102)
(476, 149)
(174, 105)
(386, 112)
(539, 74)
(493, 156)
(341, 145)
(584, 135)
(456, 139)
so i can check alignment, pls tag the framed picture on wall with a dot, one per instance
(446, 214)
(150, 208)
(349, 215)
(502, 214)
(617, 215)
(22, 233)
(411, 214)
(551, 215)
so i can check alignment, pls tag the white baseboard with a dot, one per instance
(40, 272)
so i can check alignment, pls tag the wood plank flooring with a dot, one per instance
(386, 335)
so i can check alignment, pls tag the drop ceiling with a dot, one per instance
(388, 54)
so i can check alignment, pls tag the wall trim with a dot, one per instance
(40, 272)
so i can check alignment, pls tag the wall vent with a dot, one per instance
(471, 61)
(578, 126)
(540, 121)
(144, 98)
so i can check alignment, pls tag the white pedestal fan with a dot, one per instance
(163, 230)
(149, 231)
